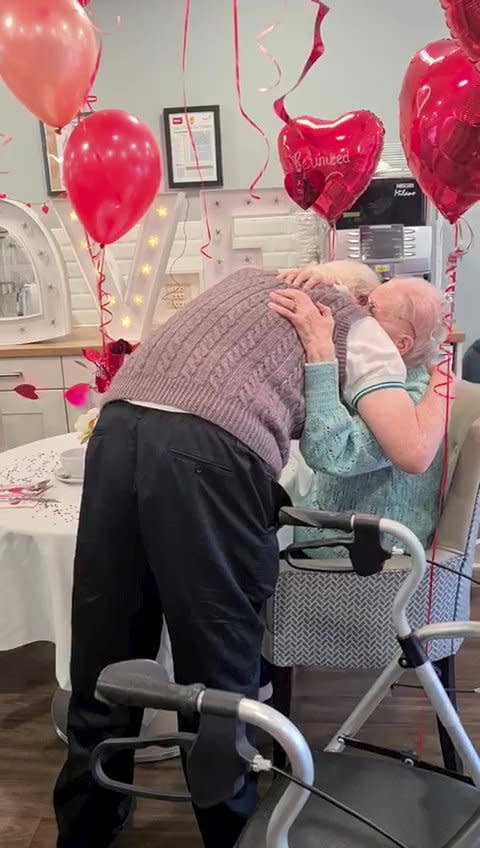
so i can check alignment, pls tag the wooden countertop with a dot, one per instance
(81, 337)
(71, 345)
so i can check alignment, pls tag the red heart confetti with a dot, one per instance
(26, 390)
(77, 395)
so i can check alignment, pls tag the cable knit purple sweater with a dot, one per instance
(229, 359)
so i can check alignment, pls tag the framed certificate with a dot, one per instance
(53, 144)
(205, 126)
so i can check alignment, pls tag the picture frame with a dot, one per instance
(182, 170)
(53, 145)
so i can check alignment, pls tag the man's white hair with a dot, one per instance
(356, 277)
(425, 307)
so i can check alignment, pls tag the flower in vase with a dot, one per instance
(85, 424)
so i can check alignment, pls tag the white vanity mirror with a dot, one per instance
(34, 294)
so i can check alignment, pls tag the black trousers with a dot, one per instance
(178, 518)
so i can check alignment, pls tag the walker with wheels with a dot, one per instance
(338, 798)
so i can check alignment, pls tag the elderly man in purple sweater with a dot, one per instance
(180, 507)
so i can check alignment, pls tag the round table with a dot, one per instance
(37, 547)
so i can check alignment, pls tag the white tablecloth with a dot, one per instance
(37, 545)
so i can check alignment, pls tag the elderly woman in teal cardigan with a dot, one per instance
(351, 471)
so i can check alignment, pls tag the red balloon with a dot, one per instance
(111, 170)
(329, 164)
(84, 3)
(463, 19)
(440, 126)
(48, 56)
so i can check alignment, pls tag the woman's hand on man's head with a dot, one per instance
(305, 278)
(313, 323)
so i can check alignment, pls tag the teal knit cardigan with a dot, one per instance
(352, 473)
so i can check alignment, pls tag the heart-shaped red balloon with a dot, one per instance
(440, 126)
(336, 158)
(463, 19)
(26, 390)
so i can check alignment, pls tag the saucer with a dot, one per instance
(65, 478)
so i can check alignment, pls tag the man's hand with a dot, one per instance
(305, 278)
(313, 322)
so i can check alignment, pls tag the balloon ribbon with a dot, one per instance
(318, 49)
(250, 121)
(97, 256)
(444, 389)
(261, 47)
(186, 22)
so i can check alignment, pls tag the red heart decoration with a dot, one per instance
(440, 126)
(77, 395)
(463, 20)
(344, 153)
(304, 190)
(26, 390)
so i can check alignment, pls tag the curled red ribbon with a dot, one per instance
(316, 52)
(249, 120)
(269, 55)
(444, 389)
(98, 261)
(186, 23)
(4, 140)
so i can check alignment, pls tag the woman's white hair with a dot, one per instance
(425, 307)
(356, 277)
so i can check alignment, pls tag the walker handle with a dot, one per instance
(142, 683)
(297, 517)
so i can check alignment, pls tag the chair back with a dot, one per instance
(459, 524)
(340, 620)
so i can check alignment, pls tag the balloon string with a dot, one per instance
(269, 56)
(444, 389)
(89, 103)
(316, 52)
(186, 23)
(4, 140)
(98, 261)
(236, 52)
(100, 31)
(331, 241)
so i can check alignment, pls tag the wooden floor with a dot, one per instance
(30, 754)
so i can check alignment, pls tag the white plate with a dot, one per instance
(64, 478)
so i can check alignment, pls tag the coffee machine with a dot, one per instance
(387, 228)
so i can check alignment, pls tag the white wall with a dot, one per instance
(368, 46)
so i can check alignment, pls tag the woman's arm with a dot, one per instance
(410, 435)
(333, 440)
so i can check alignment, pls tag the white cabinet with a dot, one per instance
(23, 420)
(43, 372)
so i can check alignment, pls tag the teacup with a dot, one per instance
(73, 462)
